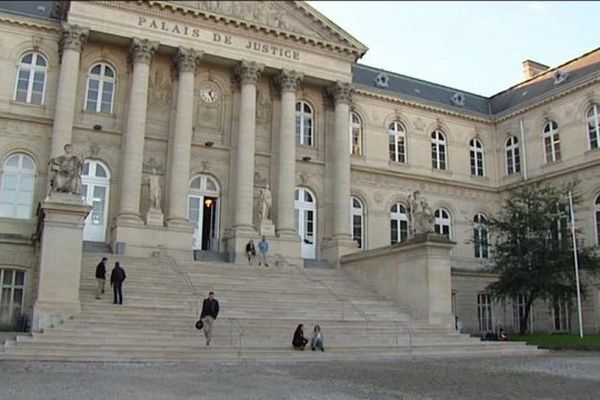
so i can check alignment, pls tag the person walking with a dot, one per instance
(316, 341)
(117, 276)
(263, 249)
(210, 310)
(250, 251)
(101, 277)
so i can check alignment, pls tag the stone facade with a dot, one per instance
(204, 90)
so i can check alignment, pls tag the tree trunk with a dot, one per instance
(524, 322)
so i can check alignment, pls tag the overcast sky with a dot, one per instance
(472, 46)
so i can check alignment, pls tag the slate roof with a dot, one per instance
(36, 9)
(578, 70)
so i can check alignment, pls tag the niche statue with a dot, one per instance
(64, 172)
(264, 204)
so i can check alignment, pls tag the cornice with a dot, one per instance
(427, 106)
(30, 23)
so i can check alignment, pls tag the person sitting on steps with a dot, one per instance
(316, 341)
(250, 251)
(299, 341)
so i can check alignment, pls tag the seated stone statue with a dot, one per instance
(420, 215)
(64, 172)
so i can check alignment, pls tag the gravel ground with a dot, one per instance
(553, 376)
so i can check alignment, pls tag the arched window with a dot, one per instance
(551, 141)
(597, 214)
(100, 89)
(31, 78)
(399, 223)
(305, 134)
(476, 153)
(593, 120)
(442, 222)
(513, 159)
(397, 142)
(480, 236)
(438, 150)
(16, 192)
(358, 217)
(355, 135)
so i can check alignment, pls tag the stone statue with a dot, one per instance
(155, 192)
(64, 172)
(264, 204)
(420, 215)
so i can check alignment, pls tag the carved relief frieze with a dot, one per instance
(160, 90)
(264, 106)
(152, 165)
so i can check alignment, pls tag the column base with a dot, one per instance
(333, 249)
(49, 313)
(144, 240)
(131, 219)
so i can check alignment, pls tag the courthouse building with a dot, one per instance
(184, 111)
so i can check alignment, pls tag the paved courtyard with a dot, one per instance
(554, 376)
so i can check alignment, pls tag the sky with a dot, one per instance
(472, 46)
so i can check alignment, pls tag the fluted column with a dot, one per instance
(288, 82)
(72, 41)
(141, 54)
(248, 73)
(186, 60)
(342, 94)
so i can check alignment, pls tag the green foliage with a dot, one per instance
(533, 248)
(560, 341)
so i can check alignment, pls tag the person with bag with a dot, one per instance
(210, 310)
(101, 277)
(117, 276)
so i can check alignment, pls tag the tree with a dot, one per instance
(533, 249)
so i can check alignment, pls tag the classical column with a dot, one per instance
(288, 82)
(342, 94)
(141, 54)
(72, 41)
(248, 73)
(186, 60)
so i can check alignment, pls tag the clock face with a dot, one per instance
(209, 94)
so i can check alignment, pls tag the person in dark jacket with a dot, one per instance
(250, 251)
(299, 341)
(101, 277)
(210, 310)
(117, 276)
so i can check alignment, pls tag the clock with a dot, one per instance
(209, 94)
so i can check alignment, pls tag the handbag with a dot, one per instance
(199, 324)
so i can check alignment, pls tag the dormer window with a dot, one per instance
(560, 76)
(382, 80)
(458, 99)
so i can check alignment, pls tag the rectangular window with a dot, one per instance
(394, 231)
(484, 312)
(519, 303)
(560, 314)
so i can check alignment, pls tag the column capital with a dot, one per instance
(142, 50)
(341, 92)
(73, 37)
(249, 71)
(187, 59)
(288, 80)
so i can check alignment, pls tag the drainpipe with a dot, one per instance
(524, 149)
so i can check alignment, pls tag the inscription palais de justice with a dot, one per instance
(221, 38)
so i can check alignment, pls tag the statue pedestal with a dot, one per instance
(155, 217)
(60, 259)
(416, 274)
(266, 228)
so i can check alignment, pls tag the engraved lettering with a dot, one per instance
(153, 24)
(216, 37)
(196, 32)
(227, 39)
(296, 55)
(141, 21)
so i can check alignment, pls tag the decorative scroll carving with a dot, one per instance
(341, 92)
(73, 38)
(142, 50)
(248, 71)
(187, 60)
(288, 80)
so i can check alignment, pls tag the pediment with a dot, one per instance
(290, 18)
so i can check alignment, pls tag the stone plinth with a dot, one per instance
(416, 274)
(60, 259)
(155, 217)
(144, 240)
(266, 228)
(333, 249)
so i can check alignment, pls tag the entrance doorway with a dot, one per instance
(95, 185)
(203, 212)
(305, 212)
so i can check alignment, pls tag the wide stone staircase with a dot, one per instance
(260, 308)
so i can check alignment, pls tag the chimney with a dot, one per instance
(532, 68)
